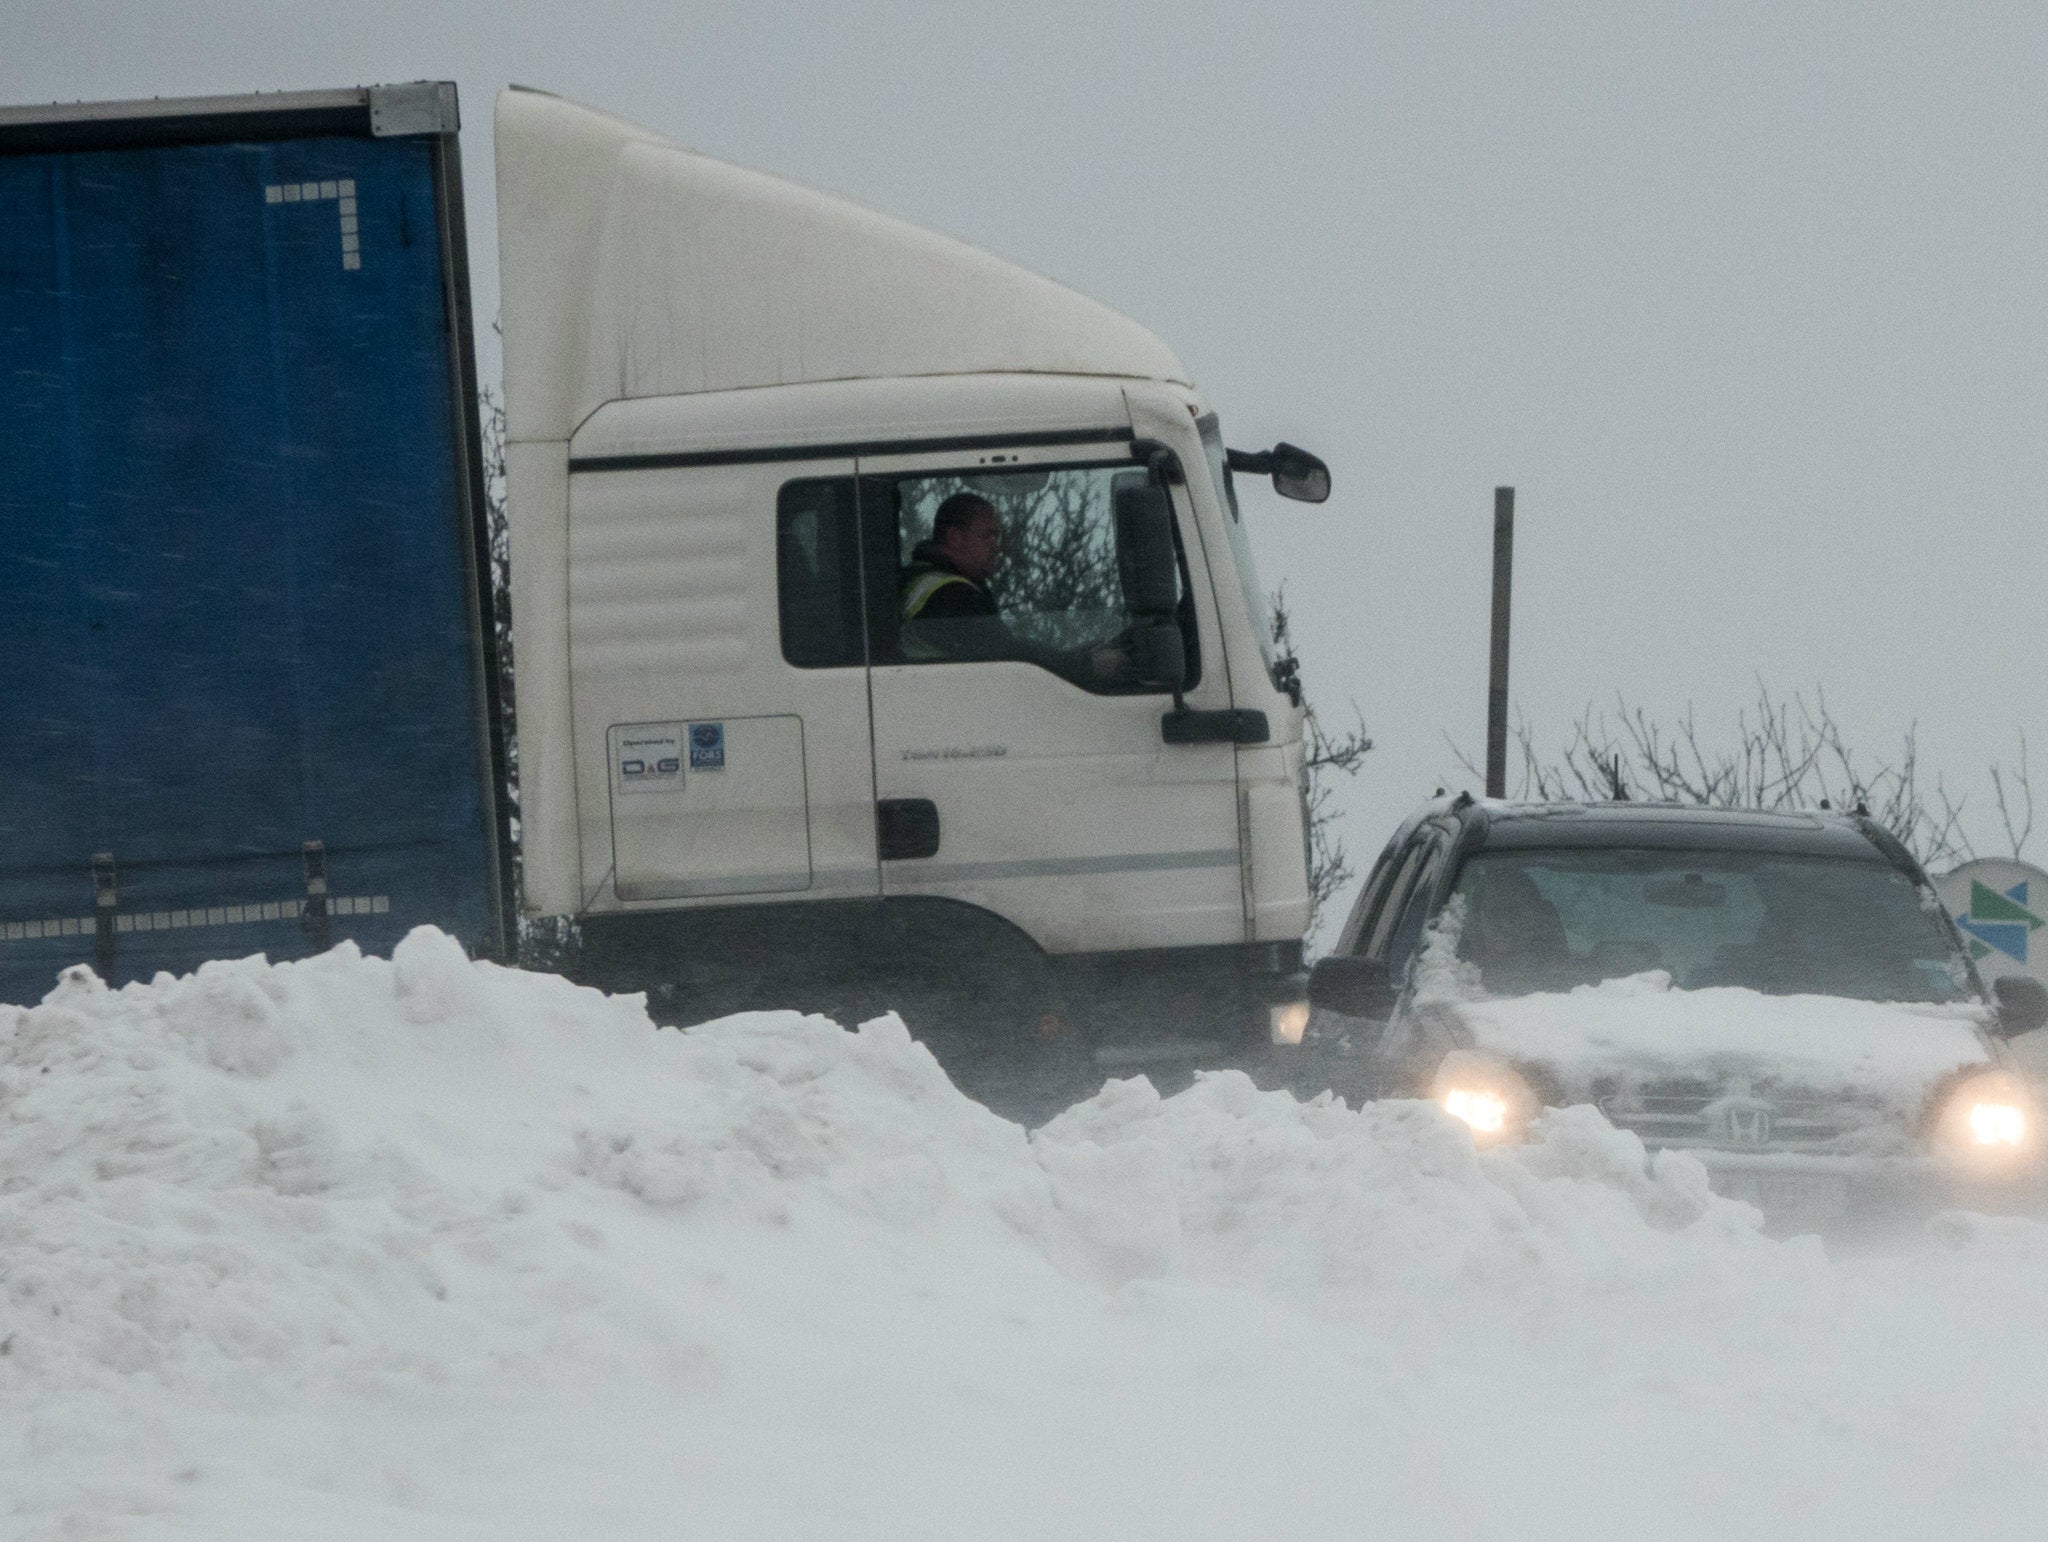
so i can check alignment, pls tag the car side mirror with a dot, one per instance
(2022, 1004)
(1146, 567)
(1356, 987)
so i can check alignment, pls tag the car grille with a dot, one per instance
(1713, 1117)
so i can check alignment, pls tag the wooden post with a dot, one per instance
(1497, 674)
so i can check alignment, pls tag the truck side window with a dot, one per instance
(817, 573)
(1052, 596)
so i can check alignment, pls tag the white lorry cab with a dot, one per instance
(752, 765)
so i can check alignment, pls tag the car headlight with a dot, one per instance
(1989, 1120)
(1997, 1124)
(1287, 1021)
(1489, 1096)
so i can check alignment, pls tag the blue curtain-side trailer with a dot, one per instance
(248, 694)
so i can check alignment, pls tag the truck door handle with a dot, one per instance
(906, 829)
(1224, 725)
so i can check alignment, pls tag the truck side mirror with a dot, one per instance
(1299, 475)
(1296, 474)
(1159, 657)
(1146, 566)
(2022, 1004)
(1356, 987)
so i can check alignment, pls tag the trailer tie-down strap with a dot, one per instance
(106, 897)
(313, 917)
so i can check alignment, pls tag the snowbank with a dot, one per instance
(429, 1249)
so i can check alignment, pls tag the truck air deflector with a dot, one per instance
(634, 267)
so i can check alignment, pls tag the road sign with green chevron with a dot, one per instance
(1998, 906)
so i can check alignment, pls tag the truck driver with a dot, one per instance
(945, 610)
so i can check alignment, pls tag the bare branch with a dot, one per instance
(1326, 755)
(2015, 835)
(1786, 753)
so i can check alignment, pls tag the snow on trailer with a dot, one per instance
(427, 1249)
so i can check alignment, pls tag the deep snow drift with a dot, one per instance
(421, 1248)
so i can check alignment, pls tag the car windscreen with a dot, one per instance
(1785, 925)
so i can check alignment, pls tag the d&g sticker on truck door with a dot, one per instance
(648, 757)
(737, 818)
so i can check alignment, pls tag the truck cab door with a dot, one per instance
(1032, 779)
(719, 680)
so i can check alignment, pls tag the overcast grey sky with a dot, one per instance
(1746, 300)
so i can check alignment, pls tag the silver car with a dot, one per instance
(1778, 993)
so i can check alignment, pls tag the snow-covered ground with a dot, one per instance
(427, 1249)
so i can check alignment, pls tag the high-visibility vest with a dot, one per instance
(916, 595)
(919, 591)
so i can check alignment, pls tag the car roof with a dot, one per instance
(1515, 826)
(1490, 824)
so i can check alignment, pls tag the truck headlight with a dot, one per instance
(1989, 1120)
(1488, 1095)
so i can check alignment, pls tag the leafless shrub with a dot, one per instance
(2016, 804)
(1328, 755)
(1785, 753)
(546, 943)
